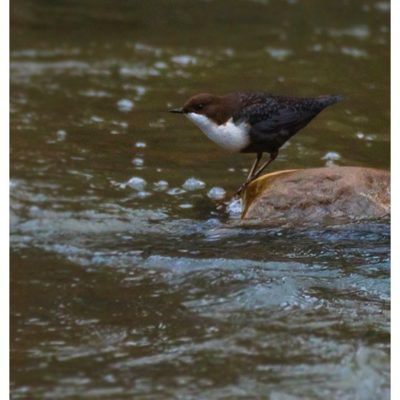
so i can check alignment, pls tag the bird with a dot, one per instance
(253, 121)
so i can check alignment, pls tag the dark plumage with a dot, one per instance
(275, 119)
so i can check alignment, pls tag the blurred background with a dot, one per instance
(128, 283)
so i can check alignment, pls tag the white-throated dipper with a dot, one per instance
(253, 122)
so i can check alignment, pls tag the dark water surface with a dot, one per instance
(123, 288)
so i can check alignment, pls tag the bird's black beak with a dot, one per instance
(176, 110)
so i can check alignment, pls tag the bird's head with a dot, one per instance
(216, 108)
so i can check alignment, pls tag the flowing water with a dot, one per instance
(127, 283)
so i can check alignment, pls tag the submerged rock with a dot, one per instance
(319, 195)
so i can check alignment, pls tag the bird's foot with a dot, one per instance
(241, 189)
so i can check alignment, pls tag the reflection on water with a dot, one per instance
(129, 280)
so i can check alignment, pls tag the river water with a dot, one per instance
(126, 285)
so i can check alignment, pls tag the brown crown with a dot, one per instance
(217, 108)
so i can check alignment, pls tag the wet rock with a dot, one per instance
(320, 195)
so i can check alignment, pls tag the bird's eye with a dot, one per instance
(199, 106)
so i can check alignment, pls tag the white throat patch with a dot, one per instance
(229, 136)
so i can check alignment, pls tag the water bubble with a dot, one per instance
(370, 138)
(359, 32)
(122, 124)
(140, 90)
(332, 156)
(216, 193)
(176, 191)
(96, 119)
(229, 52)
(142, 194)
(138, 162)
(234, 207)
(317, 47)
(278, 54)
(184, 60)
(160, 186)
(354, 52)
(61, 134)
(138, 71)
(125, 105)
(193, 184)
(160, 65)
(109, 378)
(145, 48)
(360, 135)
(136, 183)
(94, 93)
(186, 205)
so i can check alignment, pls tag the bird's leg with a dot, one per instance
(254, 166)
(254, 175)
(251, 173)
(265, 165)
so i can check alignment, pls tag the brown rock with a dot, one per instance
(319, 195)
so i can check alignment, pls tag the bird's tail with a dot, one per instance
(328, 99)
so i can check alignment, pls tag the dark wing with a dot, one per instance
(274, 120)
